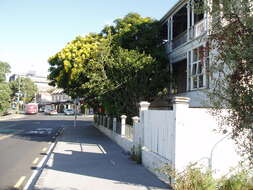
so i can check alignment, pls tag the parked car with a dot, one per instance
(47, 111)
(69, 112)
(53, 112)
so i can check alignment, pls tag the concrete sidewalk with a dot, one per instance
(85, 159)
(11, 117)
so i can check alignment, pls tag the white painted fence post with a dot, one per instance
(114, 124)
(108, 122)
(144, 106)
(104, 119)
(123, 125)
(180, 108)
(99, 119)
(136, 130)
(135, 119)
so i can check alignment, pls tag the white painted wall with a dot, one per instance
(195, 138)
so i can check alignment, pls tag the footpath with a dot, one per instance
(85, 159)
(11, 116)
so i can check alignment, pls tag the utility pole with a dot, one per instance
(75, 104)
(18, 94)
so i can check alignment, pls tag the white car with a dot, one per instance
(69, 112)
(53, 112)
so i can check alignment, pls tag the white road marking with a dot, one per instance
(20, 181)
(35, 161)
(102, 149)
(44, 149)
(39, 167)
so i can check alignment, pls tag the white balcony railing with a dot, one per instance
(199, 28)
(179, 40)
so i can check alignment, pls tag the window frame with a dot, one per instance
(195, 75)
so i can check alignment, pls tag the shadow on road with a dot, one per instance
(36, 130)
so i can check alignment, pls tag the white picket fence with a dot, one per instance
(176, 137)
(159, 132)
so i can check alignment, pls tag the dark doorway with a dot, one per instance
(180, 76)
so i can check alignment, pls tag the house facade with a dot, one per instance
(184, 31)
(61, 101)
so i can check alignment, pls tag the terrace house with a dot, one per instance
(184, 31)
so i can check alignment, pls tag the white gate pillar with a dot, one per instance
(180, 109)
(123, 125)
(144, 106)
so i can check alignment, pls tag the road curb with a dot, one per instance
(39, 168)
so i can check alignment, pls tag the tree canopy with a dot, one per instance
(115, 69)
(4, 69)
(27, 89)
(4, 88)
(231, 36)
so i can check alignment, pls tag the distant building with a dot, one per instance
(43, 97)
(40, 81)
(47, 95)
(61, 100)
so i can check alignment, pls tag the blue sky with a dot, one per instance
(33, 30)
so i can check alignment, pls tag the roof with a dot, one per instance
(173, 9)
(58, 91)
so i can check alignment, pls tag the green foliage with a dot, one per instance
(138, 33)
(71, 67)
(4, 69)
(116, 69)
(27, 88)
(4, 88)
(192, 178)
(238, 181)
(4, 97)
(195, 177)
(133, 78)
(231, 35)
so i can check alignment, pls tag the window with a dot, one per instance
(198, 68)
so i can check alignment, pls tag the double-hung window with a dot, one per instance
(198, 68)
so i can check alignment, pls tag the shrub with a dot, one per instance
(241, 180)
(196, 177)
(192, 178)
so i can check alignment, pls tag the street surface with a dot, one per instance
(23, 143)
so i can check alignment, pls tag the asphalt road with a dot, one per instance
(23, 143)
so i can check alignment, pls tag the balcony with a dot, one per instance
(199, 28)
(179, 40)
